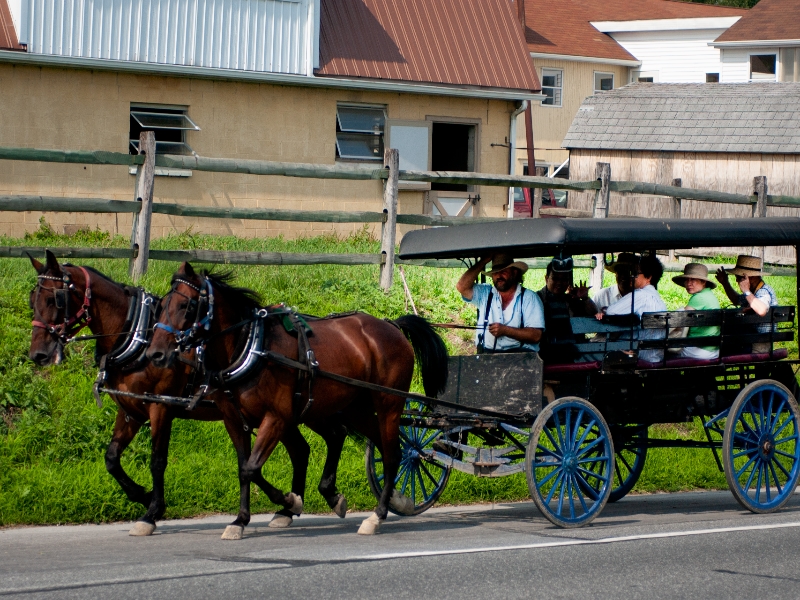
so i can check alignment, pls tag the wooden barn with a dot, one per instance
(710, 136)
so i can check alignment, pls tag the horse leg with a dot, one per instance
(161, 429)
(299, 453)
(124, 431)
(334, 437)
(250, 463)
(388, 416)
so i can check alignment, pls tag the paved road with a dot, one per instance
(661, 546)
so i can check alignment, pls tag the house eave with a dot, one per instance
(755, 43)
(589, 59)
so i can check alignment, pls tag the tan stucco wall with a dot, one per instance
(89, 110)
(551, 123)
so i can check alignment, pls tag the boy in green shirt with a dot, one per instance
(695, 280)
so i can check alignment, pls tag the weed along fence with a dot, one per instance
(143, 206)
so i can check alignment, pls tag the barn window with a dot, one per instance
(712, 77)
(603, 82)
(169, 124)
(552, 86)
(762, 67)
(359, 132)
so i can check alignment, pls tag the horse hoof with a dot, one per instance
(142, 528)
(340, 508)
(401, 504)
(233, 532)
(280, 521)
(370, 525)
(295, 503)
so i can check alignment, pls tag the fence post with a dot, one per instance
(760, 208)
(601, 199)
(391, 160)
(140, 232)
(675, 210)
(536, 201)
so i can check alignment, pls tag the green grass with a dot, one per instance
(53, 437)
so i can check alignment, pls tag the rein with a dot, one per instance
(66, 330)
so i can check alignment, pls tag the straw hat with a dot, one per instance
(503, 261)
(748, 266)
(695, 271)
(626, 259)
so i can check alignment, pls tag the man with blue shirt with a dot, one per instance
(510, 317)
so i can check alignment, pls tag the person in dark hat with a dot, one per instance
(623, 269)
(753, 294)
(510, 317)
(695, 280)
(562, 300)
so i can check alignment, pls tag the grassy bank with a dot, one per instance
(53, 437)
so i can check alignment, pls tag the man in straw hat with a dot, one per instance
(695, 280)
(754, 293)
(510, 318)
(623, 269)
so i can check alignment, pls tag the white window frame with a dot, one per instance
(750, 65)
(635, 75)
(138, 111)
(560, 73)
(382, 134)
(603, 74)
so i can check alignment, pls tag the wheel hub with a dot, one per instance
(766, 446)
(570, 462)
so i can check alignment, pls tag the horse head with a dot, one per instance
(53, 300)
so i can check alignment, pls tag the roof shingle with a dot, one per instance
(8, 35)
(767, 20)
(698, 117)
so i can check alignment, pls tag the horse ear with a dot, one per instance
(36, 264)
(187, 269)
(52, 262)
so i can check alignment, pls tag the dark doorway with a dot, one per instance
(452, 149)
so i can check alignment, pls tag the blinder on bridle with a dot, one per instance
(189, 337)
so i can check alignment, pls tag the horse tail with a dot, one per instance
(430, 351)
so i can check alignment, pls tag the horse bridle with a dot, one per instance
(187, 338)
(70, 326)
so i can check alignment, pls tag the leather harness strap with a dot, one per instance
(82, 318)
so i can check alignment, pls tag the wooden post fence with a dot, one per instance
(536, 200)
(140, 232)
(391, 160)
(676, 209)
(760, 208)
(601, 201)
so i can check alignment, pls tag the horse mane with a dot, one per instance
(241, 300)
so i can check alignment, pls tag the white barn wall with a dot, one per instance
(736, 63)
(681, 56)
(253, 35)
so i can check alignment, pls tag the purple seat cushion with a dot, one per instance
(571, 368)
(777, 354)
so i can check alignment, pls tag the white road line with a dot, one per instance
(609, 540)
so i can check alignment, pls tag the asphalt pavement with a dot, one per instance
(689, 545)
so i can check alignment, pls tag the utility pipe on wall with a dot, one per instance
(512, 137)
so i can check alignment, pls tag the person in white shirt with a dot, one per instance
(644, 299)
(622, 269)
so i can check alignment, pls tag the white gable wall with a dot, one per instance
(677, 56)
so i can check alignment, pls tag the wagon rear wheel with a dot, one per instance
(570, 462)
(761, 449)
(420, 477)
(630, 454)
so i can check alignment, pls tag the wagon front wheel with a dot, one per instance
(761, 450)
(570, 462)
(420, 477)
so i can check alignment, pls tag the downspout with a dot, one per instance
(512, 136)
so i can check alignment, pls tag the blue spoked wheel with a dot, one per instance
(630, 448)
(570, 462)
(761, 452)
(420, 476)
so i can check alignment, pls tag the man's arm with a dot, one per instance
(526, 335)
(732, 294)
(467, 281)
(758, 305)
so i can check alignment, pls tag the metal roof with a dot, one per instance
(691, 117)
(767, 20)
(456, 42)
(546, 237)
(8, 35)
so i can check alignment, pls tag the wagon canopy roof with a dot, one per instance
(546, 237)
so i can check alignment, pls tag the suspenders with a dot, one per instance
(482, 334)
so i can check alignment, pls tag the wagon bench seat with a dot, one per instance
(673, 363)
(571, 368)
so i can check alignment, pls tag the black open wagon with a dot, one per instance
(588, 444)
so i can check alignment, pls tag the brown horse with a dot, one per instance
(358, 346)
(105, 308)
